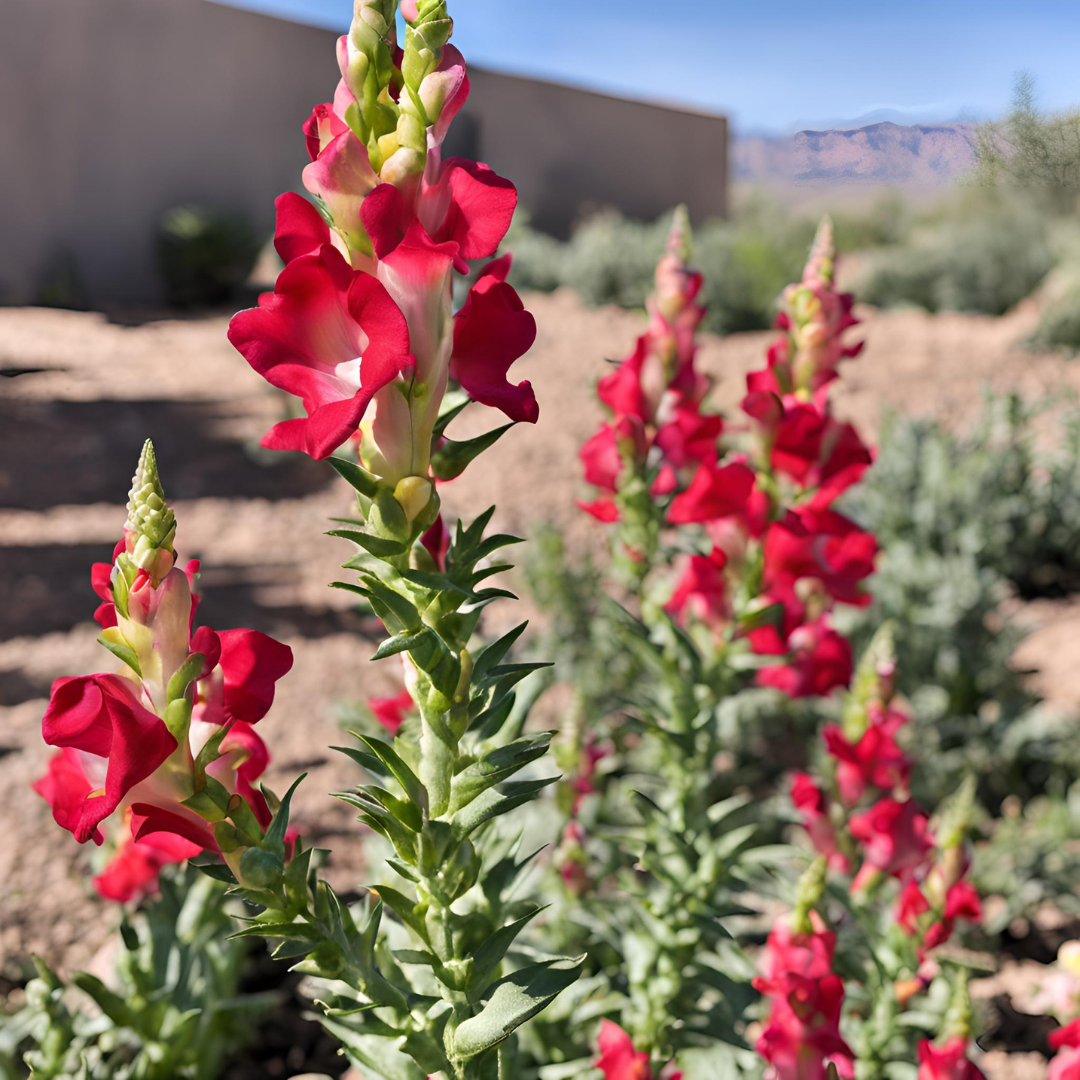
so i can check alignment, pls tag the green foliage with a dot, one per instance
(964, 520)
(610, 260)
(1031, 150)
(984, 257)
(205, 257)
(1059, 324)
(171, 1012)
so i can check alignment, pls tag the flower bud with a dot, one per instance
(151, 524)
(414, 493)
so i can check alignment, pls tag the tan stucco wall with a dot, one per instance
(571, 151)
(113, 111)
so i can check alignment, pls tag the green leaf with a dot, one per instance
(496, 652)
(356, 477)
(378, 546)
(514, 999)
(404, 907)
(400, 771)
(450, 458)
(496, 767)
(109, 1002)
(490, 954)
(122, 651)
(385, 1057)
(495, 803)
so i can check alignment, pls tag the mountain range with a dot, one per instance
(917, 155)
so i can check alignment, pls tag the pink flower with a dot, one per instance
(802, 1036)
(1066, 1041)
(714, 492)
(133, 870)
(618, 1059)
(894, 836)
(329, 336)
(701, 592)
(491, 331)
(788, 952)
(821, 662)
(811, 803)
(391, 711)
(100, 716)
(948, 1062)
(874, 760)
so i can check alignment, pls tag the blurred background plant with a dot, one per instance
(169, 1010)
(205, 256)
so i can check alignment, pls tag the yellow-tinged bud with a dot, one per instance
(1068, 957)
(414, 493)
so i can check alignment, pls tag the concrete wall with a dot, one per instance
(571, 151)
(113, 111)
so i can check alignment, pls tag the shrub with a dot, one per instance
(963, 521)
(1059, 326)
(985, 264)
(205, 257)
(610, 260)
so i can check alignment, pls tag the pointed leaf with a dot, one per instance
(514, 999)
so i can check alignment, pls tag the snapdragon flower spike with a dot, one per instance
(360, 326)
(657, 393)
(142, 746)
(813, 319)
(801, 1039)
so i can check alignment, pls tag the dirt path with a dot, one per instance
(70, 431)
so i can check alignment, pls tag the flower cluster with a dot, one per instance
(860, 817)
(776, 541)
(360, 326)
(160, 751)
(802, 1037)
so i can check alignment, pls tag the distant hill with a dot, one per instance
(885, 153)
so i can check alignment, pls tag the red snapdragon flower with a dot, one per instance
(716, 491)
(133, 870)
(802, 1035)
(788, 952)
(391, 711)
(894, 835)
(102, 718)
(1065, 1064)
(618, 1059)
(809, 545)
(947, 1062)
(961, 902)
(701, 591)
(329, 336)
(811, 803)
(821, 661)
(910, 905)
(874, 760)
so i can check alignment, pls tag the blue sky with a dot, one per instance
(776, 64)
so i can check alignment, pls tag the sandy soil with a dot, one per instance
(89, 391)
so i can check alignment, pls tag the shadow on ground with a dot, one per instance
(80, 452)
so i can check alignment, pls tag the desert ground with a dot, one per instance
(82, 392)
